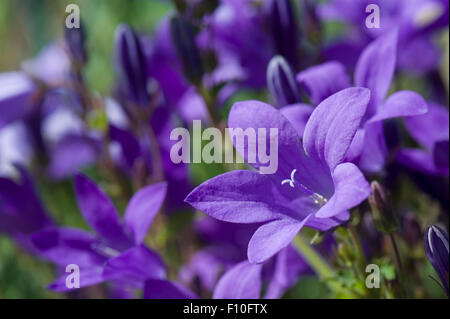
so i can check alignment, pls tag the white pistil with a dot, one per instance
(317, 198)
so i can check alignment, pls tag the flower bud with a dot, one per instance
(183, 38)
(380, 203)
(281, 82)
(75, 41)
(130, 66)
(284, 29)
(436, 249)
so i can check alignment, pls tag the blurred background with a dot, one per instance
(26, 26)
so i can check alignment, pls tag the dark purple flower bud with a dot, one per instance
(436, 249)
(281, 82)
(75, 40)
(284, 29)
(183, 38)
(380, 203)
(130, 66)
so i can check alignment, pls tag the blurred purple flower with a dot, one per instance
(21, 210)
(416, 21)
(130, 66)
(312, 187)
(226, 245)
(430, 130)
(117, 251)
(374, 70)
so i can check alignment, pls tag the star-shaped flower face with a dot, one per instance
(116, 252)
(312, 185)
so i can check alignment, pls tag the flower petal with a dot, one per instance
(239, 197)
(333, 124)
(15, 96)
(298, 115)
(64, 246)
(271, 237)
(351, 188)
(72, 153)
(256, 115)
(134, 266)
(430, 127)
(401, 103)
(164, 289)
(323, 80)
(88, 277)
(142, 208)
(100, 213)
(288, 266)
(243, 281)
(419, 160)
(375, 67)
(374, 151)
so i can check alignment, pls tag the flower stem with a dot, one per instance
(316, 262)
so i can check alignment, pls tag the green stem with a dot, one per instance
(316, 262)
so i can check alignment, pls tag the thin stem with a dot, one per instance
(397, 254)
(357, 243)
(316, 262)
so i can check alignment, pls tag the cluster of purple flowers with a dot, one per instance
(338, 135)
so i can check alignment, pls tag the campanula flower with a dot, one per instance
(417, 21)
(312, 187)
(431, 131)
(21, 210)
(374, 70)
(116, 251)
(226, 245)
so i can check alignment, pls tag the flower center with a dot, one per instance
(317, 198)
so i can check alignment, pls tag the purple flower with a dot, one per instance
(17, 90)
(312, 187)
(116, 252)
(130, 65)
(431, 130)
(436, 249)
(237, 30)
(374, 70)
(416, 21)
(225, 247)
(243, 281)
(21, 210)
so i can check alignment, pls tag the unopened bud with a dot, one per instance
(284, 29)
(131, 66)
(183, 38)
(75, 40)
(281, 82)
(380, 203)
(437, 251)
